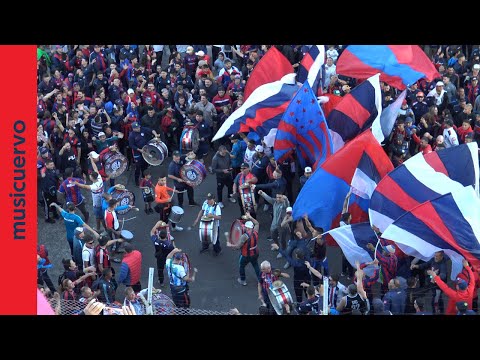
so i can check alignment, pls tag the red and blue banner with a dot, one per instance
(311, 68)
(303, 127)
(399, 65)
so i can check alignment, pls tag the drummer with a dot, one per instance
(211, 210)
(138, 138)
(241, 182)
(163, 201)
(180, 184)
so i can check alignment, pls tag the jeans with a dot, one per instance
(244, 260)
(221, 182)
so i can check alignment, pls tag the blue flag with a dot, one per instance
(303, 127)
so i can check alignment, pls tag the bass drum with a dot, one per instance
(237, 230)
(190, 140)
(208, 231)
(156, 152)
(124, 197)
(115, 164)
(279, 296)
(193, 172)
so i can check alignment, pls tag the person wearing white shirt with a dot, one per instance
(211, 209)
(450, 138)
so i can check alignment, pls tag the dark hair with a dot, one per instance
(94, 175)
(420, 303)
(335, 277)
(311, 290)
(345, 217)
(66, 263)
(299, 254)
(146, 172)
(162, 234)
(70, 206)
(106, 271)
(411, 281)
(103, 240)
(112, 202)
(352, 289)
(68, 172)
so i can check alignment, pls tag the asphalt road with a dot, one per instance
(216, 287)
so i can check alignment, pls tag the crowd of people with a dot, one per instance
(95, 100)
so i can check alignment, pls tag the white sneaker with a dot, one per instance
(177, 228)
(221, 205)
(172, 238)
(279, 256)
(286, 266)
(266, 207)
(232, 200)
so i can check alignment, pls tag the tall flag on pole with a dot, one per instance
(263, 109)
(311, 68)
(450, 222)
(271, 67)
(358, 111)
(423, 178)
(303, 127)
(323, 195)
(399, 65)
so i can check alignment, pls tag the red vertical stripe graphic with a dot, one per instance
(18, 193)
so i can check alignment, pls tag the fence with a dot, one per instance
(161, 305)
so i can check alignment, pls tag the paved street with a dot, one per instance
(216, 287)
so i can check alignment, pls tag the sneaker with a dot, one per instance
(266, 207)
(269, 238)
(202, 250)
(215, 253)
(279, 256)
(194, 204)
(51, 221)
(287, 265)
(221, 205)
(147, 212)
(172, 238)
(232, 200)
(242, 282)
(116, 260)
(177, 228)
(56, 216)
(210, 170)
(150, 211)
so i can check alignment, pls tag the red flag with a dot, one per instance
(271, 67)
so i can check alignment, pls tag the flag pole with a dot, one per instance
(376, 246)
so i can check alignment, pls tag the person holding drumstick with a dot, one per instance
(210, 209)
(249, 248)
(163, 200)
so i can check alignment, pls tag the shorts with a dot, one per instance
(98, 211)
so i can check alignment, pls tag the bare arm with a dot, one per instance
(314, 271)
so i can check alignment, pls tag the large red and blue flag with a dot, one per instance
(323, 195)
(399, 65)
(358, 111)
(271, 67)
(263, 109)
(423, 178)
(303, 127)
(311, 68)
(450, 222)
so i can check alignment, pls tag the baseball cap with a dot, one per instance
(202, 63)
(43, 150)
(462, 306)
(390, 249)
(101, 133)
(78, 230)
(408, 119)
(190, 49)
(93, 154)
(178, 256)
(234, 137)
(308, 169)
(469, 135)
(176, 153)
(130, 91)
(200, 53)
(289, 209)
(474, 78)
(476, 66)
(439, 83)
(259, 148)
(249, 225)
(210, 196)
(182, 70)
(135, 125)
(245, 166)
(238, 76)
(462, 284)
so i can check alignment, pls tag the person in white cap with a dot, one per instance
(249, 249)
(438, 96)
(306, 175)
